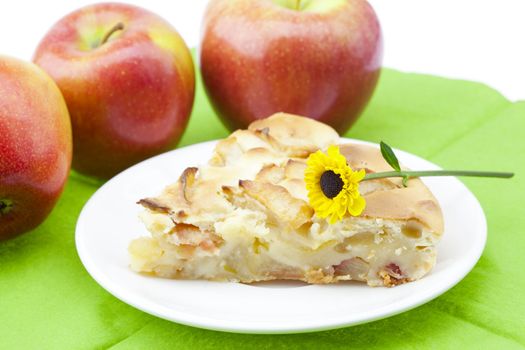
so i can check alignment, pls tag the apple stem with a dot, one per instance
(5, 206)
(116, 28)
(297, 5)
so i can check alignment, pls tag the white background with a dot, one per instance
(482, 40)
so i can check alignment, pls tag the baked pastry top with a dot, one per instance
(245, 216)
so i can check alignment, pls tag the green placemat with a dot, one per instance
(48, 301)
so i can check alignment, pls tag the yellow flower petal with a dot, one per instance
(347, 200)
(334, 218)
(359, 175)
(357, 207)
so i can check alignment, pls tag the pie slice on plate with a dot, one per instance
(246, 217)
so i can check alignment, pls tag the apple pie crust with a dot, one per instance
(245, 216)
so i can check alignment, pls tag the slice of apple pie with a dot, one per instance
(246, 217)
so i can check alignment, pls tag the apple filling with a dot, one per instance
(246, 246)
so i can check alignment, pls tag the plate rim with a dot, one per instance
(189, 319)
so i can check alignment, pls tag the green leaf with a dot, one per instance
(389, 156)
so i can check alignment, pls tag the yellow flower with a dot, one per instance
(333, 187)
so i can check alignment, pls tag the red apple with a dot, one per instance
(317, 58)
(35, 146)
(128, 80)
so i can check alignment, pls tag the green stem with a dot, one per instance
(386, 174)
(297, 5)
(115, 28)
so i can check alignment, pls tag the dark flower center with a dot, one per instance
(331, 184)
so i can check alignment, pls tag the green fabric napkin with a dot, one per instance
(48, 301)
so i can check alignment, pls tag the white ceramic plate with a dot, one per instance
(109, 222)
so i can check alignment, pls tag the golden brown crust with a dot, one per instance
(266, 160)
(283, 206)
(415, 202)
(294, 169)
(319, 276)
(226, 150)
(270, 173)
(394, 201)
(187, 180)
(297, 134)
(254, 154)
(153, 205)
(390, 281)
